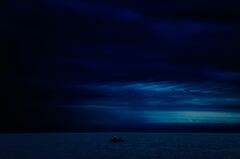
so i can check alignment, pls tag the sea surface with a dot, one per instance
(136, 146)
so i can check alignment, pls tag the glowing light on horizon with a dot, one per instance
(192, 117)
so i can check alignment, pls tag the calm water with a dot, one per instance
(137, 146)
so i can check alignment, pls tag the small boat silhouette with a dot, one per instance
(116, 139)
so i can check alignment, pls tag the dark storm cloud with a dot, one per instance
(82, 35)
(161, 46)
(169, 47)
(106, 11)
(168, 94)
(216, 10)
(91, 62)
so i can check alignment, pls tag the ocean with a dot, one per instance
(136, 146)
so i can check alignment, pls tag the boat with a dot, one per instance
(116, 139)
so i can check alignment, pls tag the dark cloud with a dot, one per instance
(111, 57)
(157, 102)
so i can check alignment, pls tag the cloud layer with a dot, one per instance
(92, 62)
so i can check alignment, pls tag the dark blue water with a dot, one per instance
(137, 146)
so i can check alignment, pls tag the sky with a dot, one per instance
(88, 65)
